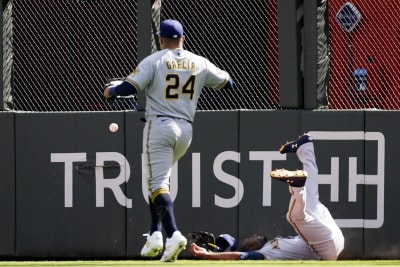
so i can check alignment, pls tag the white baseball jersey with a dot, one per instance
(173, 81)
(288, 248)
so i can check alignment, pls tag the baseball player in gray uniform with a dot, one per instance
(172, 79)
(319, 237)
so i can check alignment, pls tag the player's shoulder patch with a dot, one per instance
(274, 243)
(136, 70)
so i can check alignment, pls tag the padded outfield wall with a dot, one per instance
(72, 189)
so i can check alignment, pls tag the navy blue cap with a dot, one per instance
(226, 242)
(170, 28)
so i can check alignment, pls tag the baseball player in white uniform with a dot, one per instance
(172, 79)
(319, 237)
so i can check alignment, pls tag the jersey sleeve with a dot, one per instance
(142, 76)
(216, 77)
(251, 255)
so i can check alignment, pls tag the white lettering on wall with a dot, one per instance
(101, 183)
(228, 179)
(68, 159)
(266, 157)
(355, 178)
(115, 183)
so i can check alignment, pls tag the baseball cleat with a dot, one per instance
(295, 178)
(292, 146)
(174, 246)
(153, 246)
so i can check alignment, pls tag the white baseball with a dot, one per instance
(113, 127)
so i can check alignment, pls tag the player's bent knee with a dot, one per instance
(158, 192)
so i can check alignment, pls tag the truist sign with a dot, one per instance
(234, 183)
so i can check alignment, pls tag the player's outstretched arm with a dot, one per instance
(209, 255)
(119, 88)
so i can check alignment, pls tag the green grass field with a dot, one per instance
(126, 263)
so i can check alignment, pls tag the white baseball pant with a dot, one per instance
(309, 217)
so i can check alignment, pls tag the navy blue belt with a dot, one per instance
(175, 118)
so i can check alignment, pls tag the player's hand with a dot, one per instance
(106, 93)
(112, 83)
(197, 250)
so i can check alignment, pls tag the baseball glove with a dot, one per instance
(295, 178)
(202, 239)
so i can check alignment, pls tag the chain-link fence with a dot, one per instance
(63, 52)
(364, 41)
(57, 55)
(240, 37)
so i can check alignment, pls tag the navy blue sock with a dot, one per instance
(155, 221)
(165, 211)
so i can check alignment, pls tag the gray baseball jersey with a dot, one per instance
(319, 237)
(308, 216)
(173, 81)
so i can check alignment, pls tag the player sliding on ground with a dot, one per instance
(319, 237)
